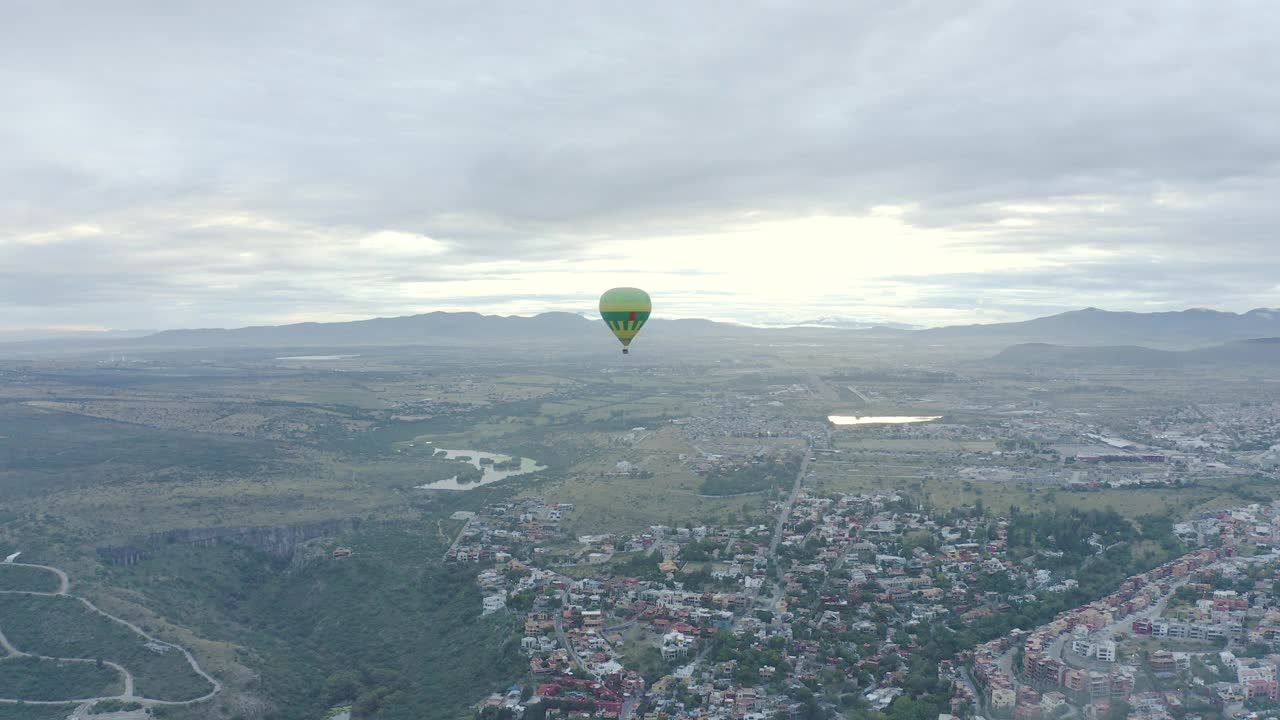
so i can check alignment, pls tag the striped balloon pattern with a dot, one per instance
(625, 311)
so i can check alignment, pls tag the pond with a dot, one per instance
(489, 473)
(880, 419)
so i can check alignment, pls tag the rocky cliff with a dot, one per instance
(277, 540)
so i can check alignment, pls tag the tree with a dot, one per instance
(341, 687)
(1256, 649)
(1119, 710)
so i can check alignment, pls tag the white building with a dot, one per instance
(881, 698)
(1106, 651)
(676, 645)
(493, 604)
(1254, 670)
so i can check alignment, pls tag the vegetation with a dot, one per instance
(27, 579)
(1076, 534)
(47, 452)
(749, 478)
(112, 706)
(28, 678)
(60, 626)
(27, 711)
(417, 648)
(647, 660)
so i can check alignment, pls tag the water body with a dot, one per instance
(490, 474)
(880, 419)
(317, 357)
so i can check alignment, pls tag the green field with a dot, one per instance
(27, 678)
(944, 493)
(63, 627)
(624, 504)
(27, 579)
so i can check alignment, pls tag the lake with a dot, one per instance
(490, 474)
(317, 357)
(880, 419)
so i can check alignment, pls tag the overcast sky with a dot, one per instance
(179, 164)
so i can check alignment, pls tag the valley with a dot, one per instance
(288, 519)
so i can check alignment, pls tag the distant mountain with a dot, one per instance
(1091, 326)
(1082, 328)
(1262, 351)
(462, 327)
(431, 328)
(10, 336)
(843, 323)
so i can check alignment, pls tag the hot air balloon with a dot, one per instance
(625, 311)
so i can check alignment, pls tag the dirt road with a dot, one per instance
(128, 694)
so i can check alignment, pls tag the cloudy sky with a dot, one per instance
(178, 164)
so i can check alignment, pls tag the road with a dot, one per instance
(786, 509)
(1155, 610)
(1057, 648)
(861, 397)
(629, 706)
(978, 697)
(783, 515)
(64, 583)
(128, 694)
(15, 652)
(564, 640)
(781, 526)
(458, 539)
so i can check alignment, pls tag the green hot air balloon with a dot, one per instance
(625, 310)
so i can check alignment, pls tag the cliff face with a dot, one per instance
(120, 555)
(276, 540)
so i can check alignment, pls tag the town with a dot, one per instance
(861, 603)
(704, 623)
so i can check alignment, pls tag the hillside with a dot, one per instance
(1091, 326)
(1264, 351)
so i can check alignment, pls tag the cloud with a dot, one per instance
(231, 163)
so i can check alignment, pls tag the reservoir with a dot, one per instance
(491, 475)
(880, 419)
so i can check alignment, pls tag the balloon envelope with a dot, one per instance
(625, 310)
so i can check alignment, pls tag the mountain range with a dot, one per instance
(1091, 327)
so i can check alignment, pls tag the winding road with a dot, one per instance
(64, 586)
